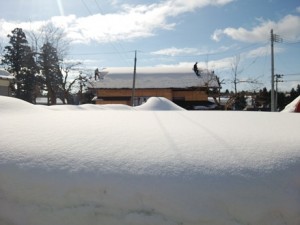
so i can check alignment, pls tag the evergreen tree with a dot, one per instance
(19, 59)
(281, 101)
(293, 94)
(298, 89)
(51, 73)
(240, 101)
(263, 98)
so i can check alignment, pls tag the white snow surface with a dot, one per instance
(158, 104)
(118, 165)
(292, 106)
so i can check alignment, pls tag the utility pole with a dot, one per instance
(277, 77)
(133, 82)
(274, 38)
(272, 71)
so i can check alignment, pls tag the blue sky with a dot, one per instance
(172, 33)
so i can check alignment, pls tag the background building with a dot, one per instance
(5, 81)
(180, 85)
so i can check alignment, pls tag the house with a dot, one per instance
(5, 81)
(180, 85)
(43, 100)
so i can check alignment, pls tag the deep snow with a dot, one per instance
(152, 164)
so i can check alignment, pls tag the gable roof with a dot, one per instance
(153, 77)
(6, 75)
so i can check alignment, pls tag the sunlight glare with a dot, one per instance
(60, 7)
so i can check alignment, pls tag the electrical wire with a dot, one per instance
(85, 5)
(291, 81)
(117, 51)
(289, 41)
(292, 74)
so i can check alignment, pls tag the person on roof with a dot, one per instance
(196, 70)
(97, 74)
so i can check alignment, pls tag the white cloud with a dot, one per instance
(262, 51)
(221, 64)
(288, 26)
(258, 52)
(175, 51)
(7, 26)
(132, 21)
(217, 34)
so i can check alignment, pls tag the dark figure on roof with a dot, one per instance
(97, 74)
(196, 70)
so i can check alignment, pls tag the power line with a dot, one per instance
(89, 11)
(208, 54)
(291, 42)
(292, 74)
(98, 6)
(117, 42)
(286, 40)
(100, 53)
(291, 81)
(119, 53)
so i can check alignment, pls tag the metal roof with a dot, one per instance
(154, 78)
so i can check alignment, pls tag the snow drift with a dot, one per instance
(115, 166)
(294, 106)
(158, 104)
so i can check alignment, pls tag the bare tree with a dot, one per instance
(68, 82)
(82, 81)
(52, 35)
(237, 71)
(57, 38)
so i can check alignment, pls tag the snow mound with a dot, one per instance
(131, 167)
(158, 104)
(11, 105)
(292, 107)
(89, 107)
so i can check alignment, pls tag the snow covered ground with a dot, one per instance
(152, 164)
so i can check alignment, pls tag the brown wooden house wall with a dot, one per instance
(123, 96)
(167, 93)
(190, 95)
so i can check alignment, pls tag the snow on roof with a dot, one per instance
(292, 107)
(6, 75)
(89, 165)
(149, 77)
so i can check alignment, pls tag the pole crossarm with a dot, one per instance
(277, 38)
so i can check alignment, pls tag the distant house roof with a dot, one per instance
(6, 75)
(153, 77)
